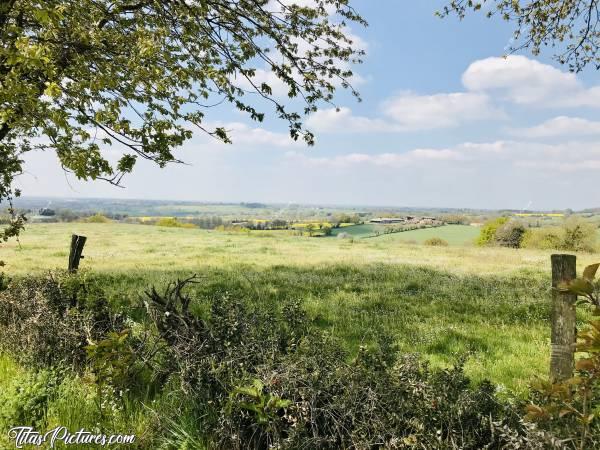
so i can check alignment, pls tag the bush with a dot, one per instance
(487, 235)
(269, 379)
(173, 223)
(549, 238)
(510, 234)
(97, 218)
(436, 242)
(574, 235)
(579, 235)
(48, 320)
(25, 402)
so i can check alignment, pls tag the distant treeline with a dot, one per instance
(61, 215)
(207, 222)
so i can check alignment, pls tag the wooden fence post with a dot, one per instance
(77, 243)
(562, 358)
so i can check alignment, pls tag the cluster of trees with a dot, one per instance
(318, 229)
(337, 220)
(456, 219)
(208, 222)
(62, 215)
(503, 232)
(275, 224)
(573, 234)
(410, 227)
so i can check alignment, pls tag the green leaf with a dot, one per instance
(578, 286)
(589, 272)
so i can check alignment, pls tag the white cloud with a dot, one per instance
(560, 126)
(565, 167)
(515, 79)
(497, 147)
(525, 81)
(421, 112)
(409, 112)
(485, 157)
(394, 160)
(332, 120)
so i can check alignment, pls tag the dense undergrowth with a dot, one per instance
(239, 362)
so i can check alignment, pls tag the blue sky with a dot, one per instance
(445, 122)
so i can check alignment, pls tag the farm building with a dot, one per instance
(406, 220)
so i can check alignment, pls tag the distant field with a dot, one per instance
(144, 247)
(453, 234)
(358, 231)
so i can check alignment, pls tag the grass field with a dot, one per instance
(490, 302)
(453, 234)
(358, 231)
(123, 247)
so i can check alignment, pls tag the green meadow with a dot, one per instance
(440, 302)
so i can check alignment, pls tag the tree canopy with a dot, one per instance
(78, 76)
(570, 27)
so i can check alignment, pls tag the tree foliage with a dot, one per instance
(487, 235)
(80, 76)
(570, 27)
(510, 234)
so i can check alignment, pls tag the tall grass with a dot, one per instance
(124, 248)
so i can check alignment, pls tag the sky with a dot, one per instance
(445, 121)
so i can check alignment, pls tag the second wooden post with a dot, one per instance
(562, 358)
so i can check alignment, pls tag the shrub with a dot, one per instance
(574, 234)
(487, 235)
(510, 234)
(48, 320)
(579, 235)
(549, 238)
(173, 223)
(25, 402)
(436, 242)
(97, 218)
(268, 379)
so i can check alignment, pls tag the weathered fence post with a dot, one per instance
(562, 360)
(77, 243)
